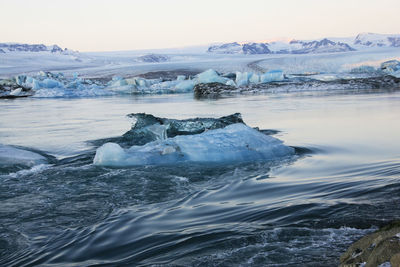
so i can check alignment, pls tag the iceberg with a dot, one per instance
(47, 84)
(272, 76)
(185, 86)
(234, 143)
(159, 141)
(12, 156)
(391, 67)
(148, 128)
(242, 78)
(254, 78)
(210, 76)
(363, 69)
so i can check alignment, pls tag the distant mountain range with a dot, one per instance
(17, 47)
(361, 41)
(326, 45)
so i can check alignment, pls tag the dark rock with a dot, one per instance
(11, 89)
(153, 58)
(376, 248)
(229, 75)
(148, 128)
(367, 85)
(168, 74)
(207, 89)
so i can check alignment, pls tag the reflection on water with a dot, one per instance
(303, 211)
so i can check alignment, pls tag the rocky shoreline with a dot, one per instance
(381, 248)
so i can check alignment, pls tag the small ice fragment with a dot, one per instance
(107, 153)
(16, 92)
(254, 78)
(181, 78)
(242, 78)
(231, 83)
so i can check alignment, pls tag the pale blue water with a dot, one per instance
(299, 212)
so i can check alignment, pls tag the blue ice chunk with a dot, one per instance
(254, 78)
(210, 76)
(230, 82)
(180, 77)
(185, 86)
(50, 83)
(242, 78)
(272, 76)
(10, 156)
(234, 143)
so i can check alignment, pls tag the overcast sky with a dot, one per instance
(105, 25)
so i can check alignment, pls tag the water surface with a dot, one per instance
(302, 211)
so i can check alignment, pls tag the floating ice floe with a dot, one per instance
(47, 84)
(272, 76)
(391, 67)
(232, 143)
(11, 156)
(210, 76)
(364, 69)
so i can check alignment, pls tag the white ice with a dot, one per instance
(272, 76)
(210, 76)
(242, 78)
(10, 156)
(234, 143)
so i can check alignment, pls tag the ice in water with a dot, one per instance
(10, 156)
(272, 76)
(234, 143)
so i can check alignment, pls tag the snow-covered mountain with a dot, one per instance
(229, 48)
(293, 47)
(331, 45)
(236, 48)
(377, 40)
(17, 47)
(323, 46)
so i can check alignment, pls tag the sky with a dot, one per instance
(111, 25)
